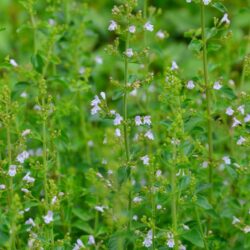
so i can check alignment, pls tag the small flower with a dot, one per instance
(2, 186)
(241, 140)
(241, 109)
(28, 178)
(24, 95)
(170, 243)
(186, 227)
(160, 34)
(225, 19)
(217, 85)
(91, 240)
(118, 119)
(174, 66)
(235, 220)
(112, 26)
(149, 135)
(78, 245)
(26, 132)
(132, 29)
(54, 199)
(148, 26)
(247, 118)
(99, 208)
(190, 84)
(147, 242)
(246, 229)
(159, 207)
(25, 190)
(22, 157)
(206, 2)
(135, 218)
(145, 159)
(12, 170)
(30, 222)
(137, 199)
(236, 122)
(81, 71)
(138, 121)
(98, 60)
(229, 111)
(13, 63)
(147, 120)
(226, 160)
(117, 132)
(103, 95)
(129, 52)
(48, 218)
(158, 173)
(204, 164)
(189, 1)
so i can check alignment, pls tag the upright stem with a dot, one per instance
(208, 102)
(153, 212)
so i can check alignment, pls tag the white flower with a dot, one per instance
(247, 118)
(12, 170)
(229, 111)
(98, 60)
(137, 199)
(145, 159)
(48, 218)
(25, 190)
(132, 29)
(91, 240)
(90, 144)
(235, 220)
(160, 34)
(99, 208)
(112, 26)
(22, 157)
(170, 243)
(147, 120)
(217, 85)
(148, 26)
(2, 186)
(174, 66)
(185, 227)
(204, 164)
(94, 104)
(182, 247)
(158, 173)
(246, 229)
(78, 245)
(188, 1)
(147, 242)
(135, 218)
(241, 109)
(118, 119)
(149, 135)
(226, 160)
(95, 110)
(236, 122)
(103, 95)
(206, 2)
(54, 199)
(30, 222)
(24, 95)
(52, 22)
(13, 63)
(37, 107)
(81, 71)
(159, 207)
(241, 140)
(190, 84)
(28, 178)
(117, 132)
(129, 52)
(138, 121)
(26, 132)
(225, 19)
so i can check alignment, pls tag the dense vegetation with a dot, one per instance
(125, 124)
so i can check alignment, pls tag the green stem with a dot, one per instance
(153, 211)
(208, 103)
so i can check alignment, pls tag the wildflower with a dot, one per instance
(170, 243)
(91, 240)
(148, 239)
(37, 107)
(90, 144)
(226, 160)
(174, 66)
(129, 52)
(147, 120)
(204, 164)
(148, 26)
(118, 119)
(236, 122)
(28, 178)
(98, 60)
(12, 170)
(217, 85)
(22, 157)
(94, 104)
(137, 199)
(225, 19)
(145, 160)
(2, 186)
(135, 218)
(24, 95)
(247, 118)
(48, 218)
(229, 111)
(52, 22)
(190, 84)
(13, 63)
(112, 26)
(30, 222)
(99, 208)
(158, 173)
(149, 135)
(138, 121)
(117, 132)
(103, 95)
(78, 245)
(235, 220)
(182, 247)
(160, 34)
(81, 71)
(25, 190)
(159, 207)
(241, 140)
(54, 199)
(26, 132)
(185, 227)
(206, 2)
(241, 109)
(246, 229)
(132, 29)
(188, 1)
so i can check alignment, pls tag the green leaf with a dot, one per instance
(195, 45)
(220, 7)
(194, 237)
(82, 214)
(83, 226)
(203, 202)
(37, 62)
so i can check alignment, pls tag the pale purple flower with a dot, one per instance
(138, 120)
(117, 132)
(112, 26)
(132, 28)
(48, 218)
(149, 135)
(118, 119)
(190, 84)
(147, 120)
(145, 159)
(129, 52)
(148, 26)
(236, 122)
(91, 240)
(28, 178)
(225, 19)
(12, 170)
(217, 85)
(229, 111)
(174, 66)
(22, 157)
